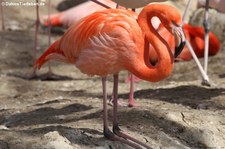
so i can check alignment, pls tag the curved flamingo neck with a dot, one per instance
(165, 57)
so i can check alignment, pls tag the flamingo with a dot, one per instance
(112, 40)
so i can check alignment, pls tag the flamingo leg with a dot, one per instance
(49, 34)
(49, 75)
(131, 101)
(2, 15)
(35, 38)
(206, 50)
(36, 31)
(105, 110)
(202, 71)
(106, 131)
(116, 128)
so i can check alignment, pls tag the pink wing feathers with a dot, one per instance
(94, 41)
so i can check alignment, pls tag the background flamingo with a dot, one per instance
(110, 41)
(195, 35)
(68, 17)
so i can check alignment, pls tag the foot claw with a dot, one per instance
(117, 131)
(110, 135)
(206, 83)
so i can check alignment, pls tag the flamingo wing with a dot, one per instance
(91, 43)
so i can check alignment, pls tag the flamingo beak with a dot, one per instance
(179, 39)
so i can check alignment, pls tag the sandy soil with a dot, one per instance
(176, 113)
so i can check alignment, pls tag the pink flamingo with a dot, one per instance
(112, 40)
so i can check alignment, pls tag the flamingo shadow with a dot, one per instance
(46, 115)
(190, 95)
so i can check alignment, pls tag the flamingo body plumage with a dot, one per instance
(101, 44)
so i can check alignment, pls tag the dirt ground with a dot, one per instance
(176, 113)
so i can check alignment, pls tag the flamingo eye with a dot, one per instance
(175, 24)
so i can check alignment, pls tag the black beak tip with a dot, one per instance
(179, 49)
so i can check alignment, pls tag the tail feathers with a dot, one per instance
(54, 20)
(46, 56)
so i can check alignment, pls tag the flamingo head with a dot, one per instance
(172, 21)
(179, 37)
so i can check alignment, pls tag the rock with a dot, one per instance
(56, 141)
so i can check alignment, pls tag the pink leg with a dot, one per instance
(128, 79)
(111, 100)
(36, 31)
(2, 15)
(116, 128)
(106, 131)
(34, 74)
(36, 39)
(131, 101)
(105, 110)
(49, 34)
